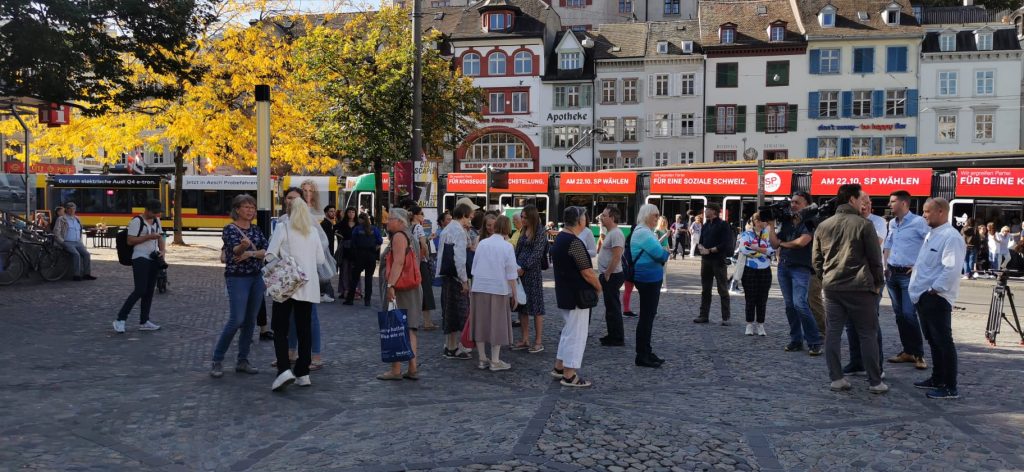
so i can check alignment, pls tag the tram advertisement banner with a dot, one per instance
(597, 182)
(876, 182)
(105, 181)
(720, 182)
(998, 183)
(518, 182)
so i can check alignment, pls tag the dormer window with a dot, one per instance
(892, 14)
(498, 21)
(862, 16)
(727, 33)
(687, 47)
(570, 60)
(777, 31)
(983, 40)
(662, 47)
(827, 17)
(947, 42)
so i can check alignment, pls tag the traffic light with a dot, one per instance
(499, 179)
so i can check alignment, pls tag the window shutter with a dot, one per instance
(587, 92)
(910, 145)
(760, 118)
(791, 111)
(698, 84)
(891, 64)
(812, 147)
(912, 102)
(618, 91)
(650, 85)
(647, 125)
(709, 120)
(869, 61)
(813, 101)
(847, 105)
(559, 101)
(876, 146)
(561, 3)
(877, 103)
(845, 145)
(815, 61)
(620, 131)
(674, 126)
(547, 137)
(902, 61)
(640, 124)
(741, 119)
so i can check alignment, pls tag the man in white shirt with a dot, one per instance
(146, 238)
(934, 287)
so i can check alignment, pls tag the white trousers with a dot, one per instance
(573, 341)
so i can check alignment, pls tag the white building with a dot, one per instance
(650, 94)
(584, 15)
(567, 103)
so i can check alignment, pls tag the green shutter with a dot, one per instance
(546, 132)
(587, 90)
(741, 119)
(760, 119)
(709, 120)
(791, 112)
(559, 97)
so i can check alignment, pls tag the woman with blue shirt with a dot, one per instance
(648, 258)
(757, 275)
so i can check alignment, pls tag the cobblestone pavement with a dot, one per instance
(79, 397)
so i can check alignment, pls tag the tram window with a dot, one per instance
(101, 200)
(366, 202)
(190, 199)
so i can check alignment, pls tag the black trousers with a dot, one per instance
(936, 313)
(363, 263)
(650, 294)
(144, 271)
(681, 245)
(261, 317)
(612, 305)
(281, 323)
(756, 284)
(713, 270)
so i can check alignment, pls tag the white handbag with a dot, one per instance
(520, 292)
(283, 276)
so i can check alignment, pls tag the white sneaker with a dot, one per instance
(148, 326)
(760, 330)
(303, 381)
(664, 289)
(750, 329)
(119, 326)
(878, 389)
(283, 380)
(840, 385)
(325, 299)
(500, 365)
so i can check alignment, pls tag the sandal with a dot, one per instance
(536, 348)
(556, 373)
(316, 366)
(389, 376)
(412, 375)
(575, 381)
(520, 346)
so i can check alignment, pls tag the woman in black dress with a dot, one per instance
(530, 254)
(345, 256)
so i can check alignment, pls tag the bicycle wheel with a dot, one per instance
(15, 269)
(53, 264)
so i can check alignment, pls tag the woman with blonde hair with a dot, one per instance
(493, 294)
(311, 194)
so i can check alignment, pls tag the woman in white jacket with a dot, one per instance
(295, 237)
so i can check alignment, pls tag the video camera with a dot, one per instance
(774, 211)
(811, 215)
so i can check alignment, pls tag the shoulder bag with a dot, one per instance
(283, 276)
(410, 277)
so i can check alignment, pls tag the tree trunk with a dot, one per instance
(179, 177)
(378, 177)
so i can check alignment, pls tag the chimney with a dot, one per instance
(968, 3)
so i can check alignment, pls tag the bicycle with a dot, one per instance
(26, 255)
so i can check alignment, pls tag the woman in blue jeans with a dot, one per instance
(244, 249)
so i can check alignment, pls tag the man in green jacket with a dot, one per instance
(847, 258)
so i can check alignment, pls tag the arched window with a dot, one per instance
(471, 65)
(498, 146)
(497, 63)
(524, 63)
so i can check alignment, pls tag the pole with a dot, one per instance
(760, 180)
(263, 200)
(487, 188)
(417, 83)
(28, 190)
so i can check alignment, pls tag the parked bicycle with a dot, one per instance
(30, 252)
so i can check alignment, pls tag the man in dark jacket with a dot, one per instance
(716, 243)
(847, 258)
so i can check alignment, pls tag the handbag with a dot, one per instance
(466, 339)
(283, 276)
(586, 297)
(394, 335)
(326, 269)
(520, 292)
(410, 277)
(448, 261)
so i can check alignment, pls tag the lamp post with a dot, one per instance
(28, 137)
(263, 203)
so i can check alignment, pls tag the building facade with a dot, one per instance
(567, 104)
(585, 15)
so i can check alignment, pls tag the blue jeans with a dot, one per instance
(802, 327)
(293, 342)
(906, 316)
(969, 261)
(81, 261)
(245, 297)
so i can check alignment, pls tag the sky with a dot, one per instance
(321, 6)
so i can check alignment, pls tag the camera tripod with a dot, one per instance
(996, 315)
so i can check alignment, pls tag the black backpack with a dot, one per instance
(125, 250)
(628, 263)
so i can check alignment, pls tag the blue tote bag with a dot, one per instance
(394, 335)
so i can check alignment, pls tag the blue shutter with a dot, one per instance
(912, 102)
(813, 99)
(901, 62)
(847, 105)
(869, 61)
(877, 103)
(858, 60)
(910, 145)
(812, 147)
(845, 145)
(815, 61)
(890, 59)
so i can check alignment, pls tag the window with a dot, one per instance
(863, 60)
(896, 59)
(687, 47)
(947, 83)
(892, 16)
(727, 35)
(625, 6)
(566, 136)
(662, 47)
(661, 83)
(471, 65)
(828, 62)
(777, 73)
(727, 74)
(686, 124)
(567, 96)
(606, 160)
(896, 102)
(581, 28)
(828, 18)
(608, 91)
(828, 147)
(861, 103)
(777, 33)
(499, 21)
(947, 129)
(570, 61)
(520, 102)
(983, 125)
(725, 119)
(496, 63)
(629, 126)
(775, 116)
(860, 147)
(524, 63)
(631, 161)
(608, 125)
(725, 156)
(984, 82)
(686, 82)
(575, 3)
(828, 104)
(894, 145)
(984, 41)
(439, 3)
(686, 157)
(947, 42)
(671, 7)
(662, 125)
(498, 146)
(661, 159)
(496, 103)
(629, 90)
(775, 154)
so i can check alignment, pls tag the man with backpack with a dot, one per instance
(144, 243)
(609, 270)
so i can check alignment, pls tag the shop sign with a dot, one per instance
(863, 127)
(511, 164)
(518, 182)
(597, 182)
(568, 116)
(729, 182)
(876, 182)
(496, 120)
(15, 167)
(998, 183)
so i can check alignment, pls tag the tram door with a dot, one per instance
(1001, 212)
(672, 205)
(738, 210)
(541, 201)
(449, 199)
